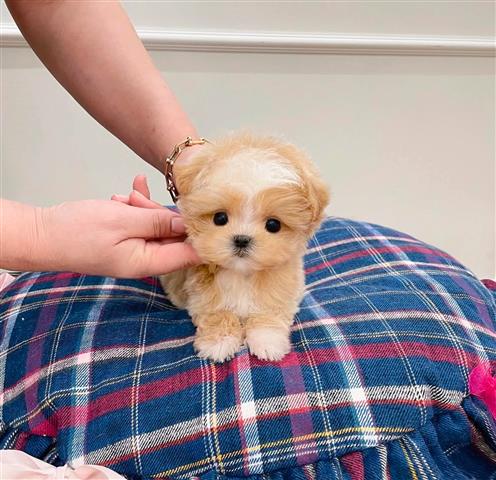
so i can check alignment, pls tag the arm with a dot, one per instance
(93, 51)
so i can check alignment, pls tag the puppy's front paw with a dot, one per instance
(218, 349)
(268, 343)
(219, 336)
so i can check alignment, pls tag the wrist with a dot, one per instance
(181, 154)
(42, 256)
(36, 255)
(188, 153)
(38, 252)
(161, 145)
(21, 232)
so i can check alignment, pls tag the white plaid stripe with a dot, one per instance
(379, 238)
(351, 371)
(321, 404)
(416, 315)
(135, 405)
(82, 380)
(412, 287)
(213, 417)
(247, 411)
(125, 352)
(382, 452)
(403, 357)
(141, 294)
(206, 409)
(437, 286)
(56, 340)
(411, 265)
(98, 356)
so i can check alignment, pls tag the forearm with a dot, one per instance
(93, 51)
(19, 237)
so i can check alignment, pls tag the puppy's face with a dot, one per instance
(250, 203)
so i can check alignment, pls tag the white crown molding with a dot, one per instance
(298, 43)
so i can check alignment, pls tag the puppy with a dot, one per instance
(249, 204)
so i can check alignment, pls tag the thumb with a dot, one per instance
(140, 184)
(154, 223)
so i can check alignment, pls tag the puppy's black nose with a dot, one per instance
(241, 241)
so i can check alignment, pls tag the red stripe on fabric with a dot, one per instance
(300, 417)
(21, 440)
(353, 463)
(272, 416)
(150, 281)
(382, 350)
(380, 250)
(37, 346)
(55, 277)
(120, 399)
(45, 426)
(36, 373)
(394, 315)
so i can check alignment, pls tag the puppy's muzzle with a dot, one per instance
(242, 244)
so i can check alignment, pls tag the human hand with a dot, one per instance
(106, 237)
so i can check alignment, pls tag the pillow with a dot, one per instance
(102, 371)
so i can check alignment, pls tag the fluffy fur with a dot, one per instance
(249, 295)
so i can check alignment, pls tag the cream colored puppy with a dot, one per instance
(250, 205)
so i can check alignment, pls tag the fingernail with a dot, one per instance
(177, 225)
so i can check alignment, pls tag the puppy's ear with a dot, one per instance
(316, 191)
(318, 197)
(186, 174)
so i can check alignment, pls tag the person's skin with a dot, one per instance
(91, 48)
(99, 237)
(139, 196)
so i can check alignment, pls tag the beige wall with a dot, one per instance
(406, 141)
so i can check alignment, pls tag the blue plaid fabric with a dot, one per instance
(102, 371)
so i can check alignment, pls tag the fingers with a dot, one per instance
(166, 241)
(140, 196)
(151, 223)
(137, 199)
(137, 258)
(159, 259)
(157, 222)
(120, 198)
(140, 184)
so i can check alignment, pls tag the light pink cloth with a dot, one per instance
(5, 280)
(17, 465)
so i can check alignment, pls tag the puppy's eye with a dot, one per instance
(221, 218)
(272, 225)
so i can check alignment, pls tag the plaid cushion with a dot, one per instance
(102, 371)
